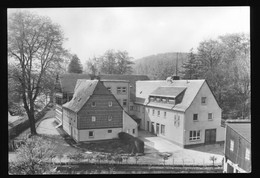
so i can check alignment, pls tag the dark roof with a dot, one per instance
(83, 90)
(242, 128)
(68, 81)
(169, 91)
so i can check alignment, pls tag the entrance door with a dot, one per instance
(153, 132)
(148, 124)
(157, 128)
(210, 136)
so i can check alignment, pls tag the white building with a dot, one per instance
(184, 112)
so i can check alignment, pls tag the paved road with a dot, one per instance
(195, 155)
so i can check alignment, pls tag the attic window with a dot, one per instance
(141, 92)
(93, 104)
(158, 99)
(171, 100)
(152, 98)
(79, 99)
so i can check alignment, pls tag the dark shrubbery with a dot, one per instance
(136, 145)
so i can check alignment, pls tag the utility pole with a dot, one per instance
(177, 65)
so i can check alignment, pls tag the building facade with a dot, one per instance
(237, 147)
(122, 86)
(184, 112)
(94, 113)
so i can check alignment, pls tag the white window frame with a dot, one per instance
(231, 146)
(110, 104)
(211, 116)
(93, 134)
(109, 89)
(118, 90)
(194, 135)
(247, 154)
(197, 117)
(123, 90)
(93, 118)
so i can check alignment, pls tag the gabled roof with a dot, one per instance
(68, 81)
(168, 91)
(145, 88)
(83, 90)
(243, 129)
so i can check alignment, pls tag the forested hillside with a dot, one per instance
(160, 66)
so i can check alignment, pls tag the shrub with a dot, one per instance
(136, 145)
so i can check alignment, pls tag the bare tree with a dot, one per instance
(35, 46)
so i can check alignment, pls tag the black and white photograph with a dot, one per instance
(129, 90)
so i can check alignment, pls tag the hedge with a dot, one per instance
(136, 145)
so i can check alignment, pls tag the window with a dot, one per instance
(93, 104)
(176, 120)
(109, 131)
(133, 131)
(124, 102)
(143, 109)
(91, 134)
(163, 129)
(194, 135)
(203, 100)
(158, 113)
(153, 111)
(164, 114)
(110, 104)
(231, 145)
(109, 118)
(109, 89)
(118, 89)
(210, 116)
(148, 110)
(164, 100)
(247, 154)
(158, 99)
(195, 117)
(131, 108)
(151, 98)
(93, 118)
(123, 90)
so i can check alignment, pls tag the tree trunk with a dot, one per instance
(32, 123)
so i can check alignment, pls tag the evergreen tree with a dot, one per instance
(190, 68)
(75, 65)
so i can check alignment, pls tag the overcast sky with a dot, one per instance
(144, 31)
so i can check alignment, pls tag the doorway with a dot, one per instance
(152, 130)
(210, 136)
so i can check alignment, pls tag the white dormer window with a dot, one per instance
(203, 100)
(109, 89)
(93, 104)
(110, 104)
